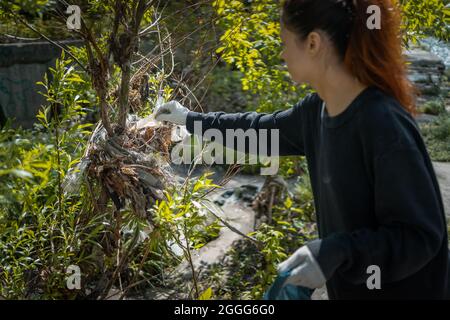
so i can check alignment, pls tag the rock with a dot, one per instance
(158, 293)
(425, 118)
(246, 192)
(426, 71)
(250, 188)
(439, 48)
(227, 194)
(219, 202)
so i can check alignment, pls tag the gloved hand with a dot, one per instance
(305, 271)
(172, 111)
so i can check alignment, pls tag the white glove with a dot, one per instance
(172, 111)
(305, 271)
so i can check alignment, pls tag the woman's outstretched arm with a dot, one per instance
(285, 126)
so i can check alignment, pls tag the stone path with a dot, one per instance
(236, 213)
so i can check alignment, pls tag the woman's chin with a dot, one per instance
(300, 81)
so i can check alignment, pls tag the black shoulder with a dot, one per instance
(310, 101)
(384, 123)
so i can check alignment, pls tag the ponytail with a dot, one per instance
(375, 56)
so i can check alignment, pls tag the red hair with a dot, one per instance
(375, 56)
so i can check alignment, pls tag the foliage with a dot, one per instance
(292, 227)
(422, 18)
(40, 234)
(31, 7)
(182, 220)
(43, 231)
(437, 137)
(35, 12)
(252, 45)
(433, 107)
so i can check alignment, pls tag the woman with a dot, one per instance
(378, 203)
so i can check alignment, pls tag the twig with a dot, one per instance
(19, 38)
(189, 256)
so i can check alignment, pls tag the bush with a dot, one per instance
(44, 230)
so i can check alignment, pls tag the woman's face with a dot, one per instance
(303, 58)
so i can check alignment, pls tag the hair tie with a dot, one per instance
(348, 5)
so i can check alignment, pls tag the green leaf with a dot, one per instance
(18, 173)
(206, 295)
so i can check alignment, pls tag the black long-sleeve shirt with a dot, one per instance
(376, 194)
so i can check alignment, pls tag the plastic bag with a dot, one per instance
(74, 178)
(279, 291)
(150, 121)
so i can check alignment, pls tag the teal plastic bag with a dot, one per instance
(279, 291)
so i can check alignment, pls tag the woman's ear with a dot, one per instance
(314, 43)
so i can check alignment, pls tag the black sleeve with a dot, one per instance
(411, 227)
(288, 122)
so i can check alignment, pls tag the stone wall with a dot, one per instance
(21, 66)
